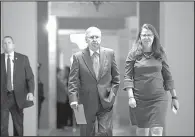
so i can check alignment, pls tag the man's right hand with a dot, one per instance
(74, 105)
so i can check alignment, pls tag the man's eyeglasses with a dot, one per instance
(94, 37)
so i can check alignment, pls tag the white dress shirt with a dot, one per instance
(12, 65)
(91, 52)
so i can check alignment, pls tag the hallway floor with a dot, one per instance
(68, 131)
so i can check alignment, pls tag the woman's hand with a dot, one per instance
(175, 104)
(132, 102)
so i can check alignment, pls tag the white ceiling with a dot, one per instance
(87, 9)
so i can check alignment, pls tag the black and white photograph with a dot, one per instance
(97, 68)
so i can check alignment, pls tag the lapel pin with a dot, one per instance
(14, 60)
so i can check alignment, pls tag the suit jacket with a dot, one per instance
(23, 80)
(82, 79)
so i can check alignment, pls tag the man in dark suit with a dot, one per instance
(61, 99)
(41, 96)
(94, 82)
(17, 87)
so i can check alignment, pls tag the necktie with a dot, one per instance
(96, 63)
(9, 84)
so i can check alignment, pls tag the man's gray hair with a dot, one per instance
(92, 28)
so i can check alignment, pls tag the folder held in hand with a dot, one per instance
(80, 115)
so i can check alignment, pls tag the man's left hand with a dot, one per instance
(30, 97)
(110, 97)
